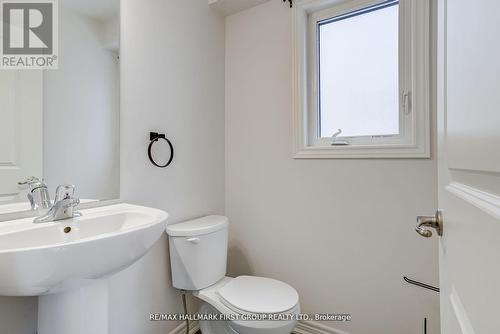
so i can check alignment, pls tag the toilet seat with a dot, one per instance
(215, 303)
(271, 295)
(258, 295)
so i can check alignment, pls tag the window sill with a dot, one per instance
(361, 152)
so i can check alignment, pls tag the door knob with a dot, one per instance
(435, 222)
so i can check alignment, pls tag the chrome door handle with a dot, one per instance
(435, 222)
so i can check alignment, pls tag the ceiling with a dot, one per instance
(229, 7)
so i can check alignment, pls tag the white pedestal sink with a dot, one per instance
(66, 263)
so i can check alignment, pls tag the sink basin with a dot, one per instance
(37, 259)
(61, 261)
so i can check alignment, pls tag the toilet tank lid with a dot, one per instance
(203, 225)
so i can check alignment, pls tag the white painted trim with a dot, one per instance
(485, 201)
(303, 327)
(313, 327)
(418, 143)
(194, 326)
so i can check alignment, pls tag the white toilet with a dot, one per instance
(198, 253)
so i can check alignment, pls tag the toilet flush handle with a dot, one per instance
(193, 240)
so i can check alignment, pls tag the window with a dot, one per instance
(358, 73)
(362, 79)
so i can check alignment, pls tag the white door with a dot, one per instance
(21, 125)
(469, 165)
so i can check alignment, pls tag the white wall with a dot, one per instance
(172, 66)
(340, 231)
(81, 111)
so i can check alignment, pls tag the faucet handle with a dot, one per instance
(64, 191)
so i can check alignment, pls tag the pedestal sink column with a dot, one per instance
(82, 310)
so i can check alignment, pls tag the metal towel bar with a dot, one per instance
(420, 284)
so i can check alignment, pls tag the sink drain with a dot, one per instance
(67, 229)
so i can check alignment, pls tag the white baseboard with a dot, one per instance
(313, 327)
(181, 329)
(303, 327)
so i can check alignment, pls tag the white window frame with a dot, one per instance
(414, 84)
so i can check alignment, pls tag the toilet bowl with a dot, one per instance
(246, 300)
(240, 305)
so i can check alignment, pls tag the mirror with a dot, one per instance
(62, 125)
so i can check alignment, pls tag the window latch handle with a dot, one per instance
(336, 142)
(406, 102)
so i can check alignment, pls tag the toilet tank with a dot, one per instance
(198, 252)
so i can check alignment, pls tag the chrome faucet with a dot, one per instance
(63, 207)
(38, 193)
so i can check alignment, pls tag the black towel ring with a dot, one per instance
(154, 137)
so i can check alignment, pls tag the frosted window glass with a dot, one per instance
(358, 74)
